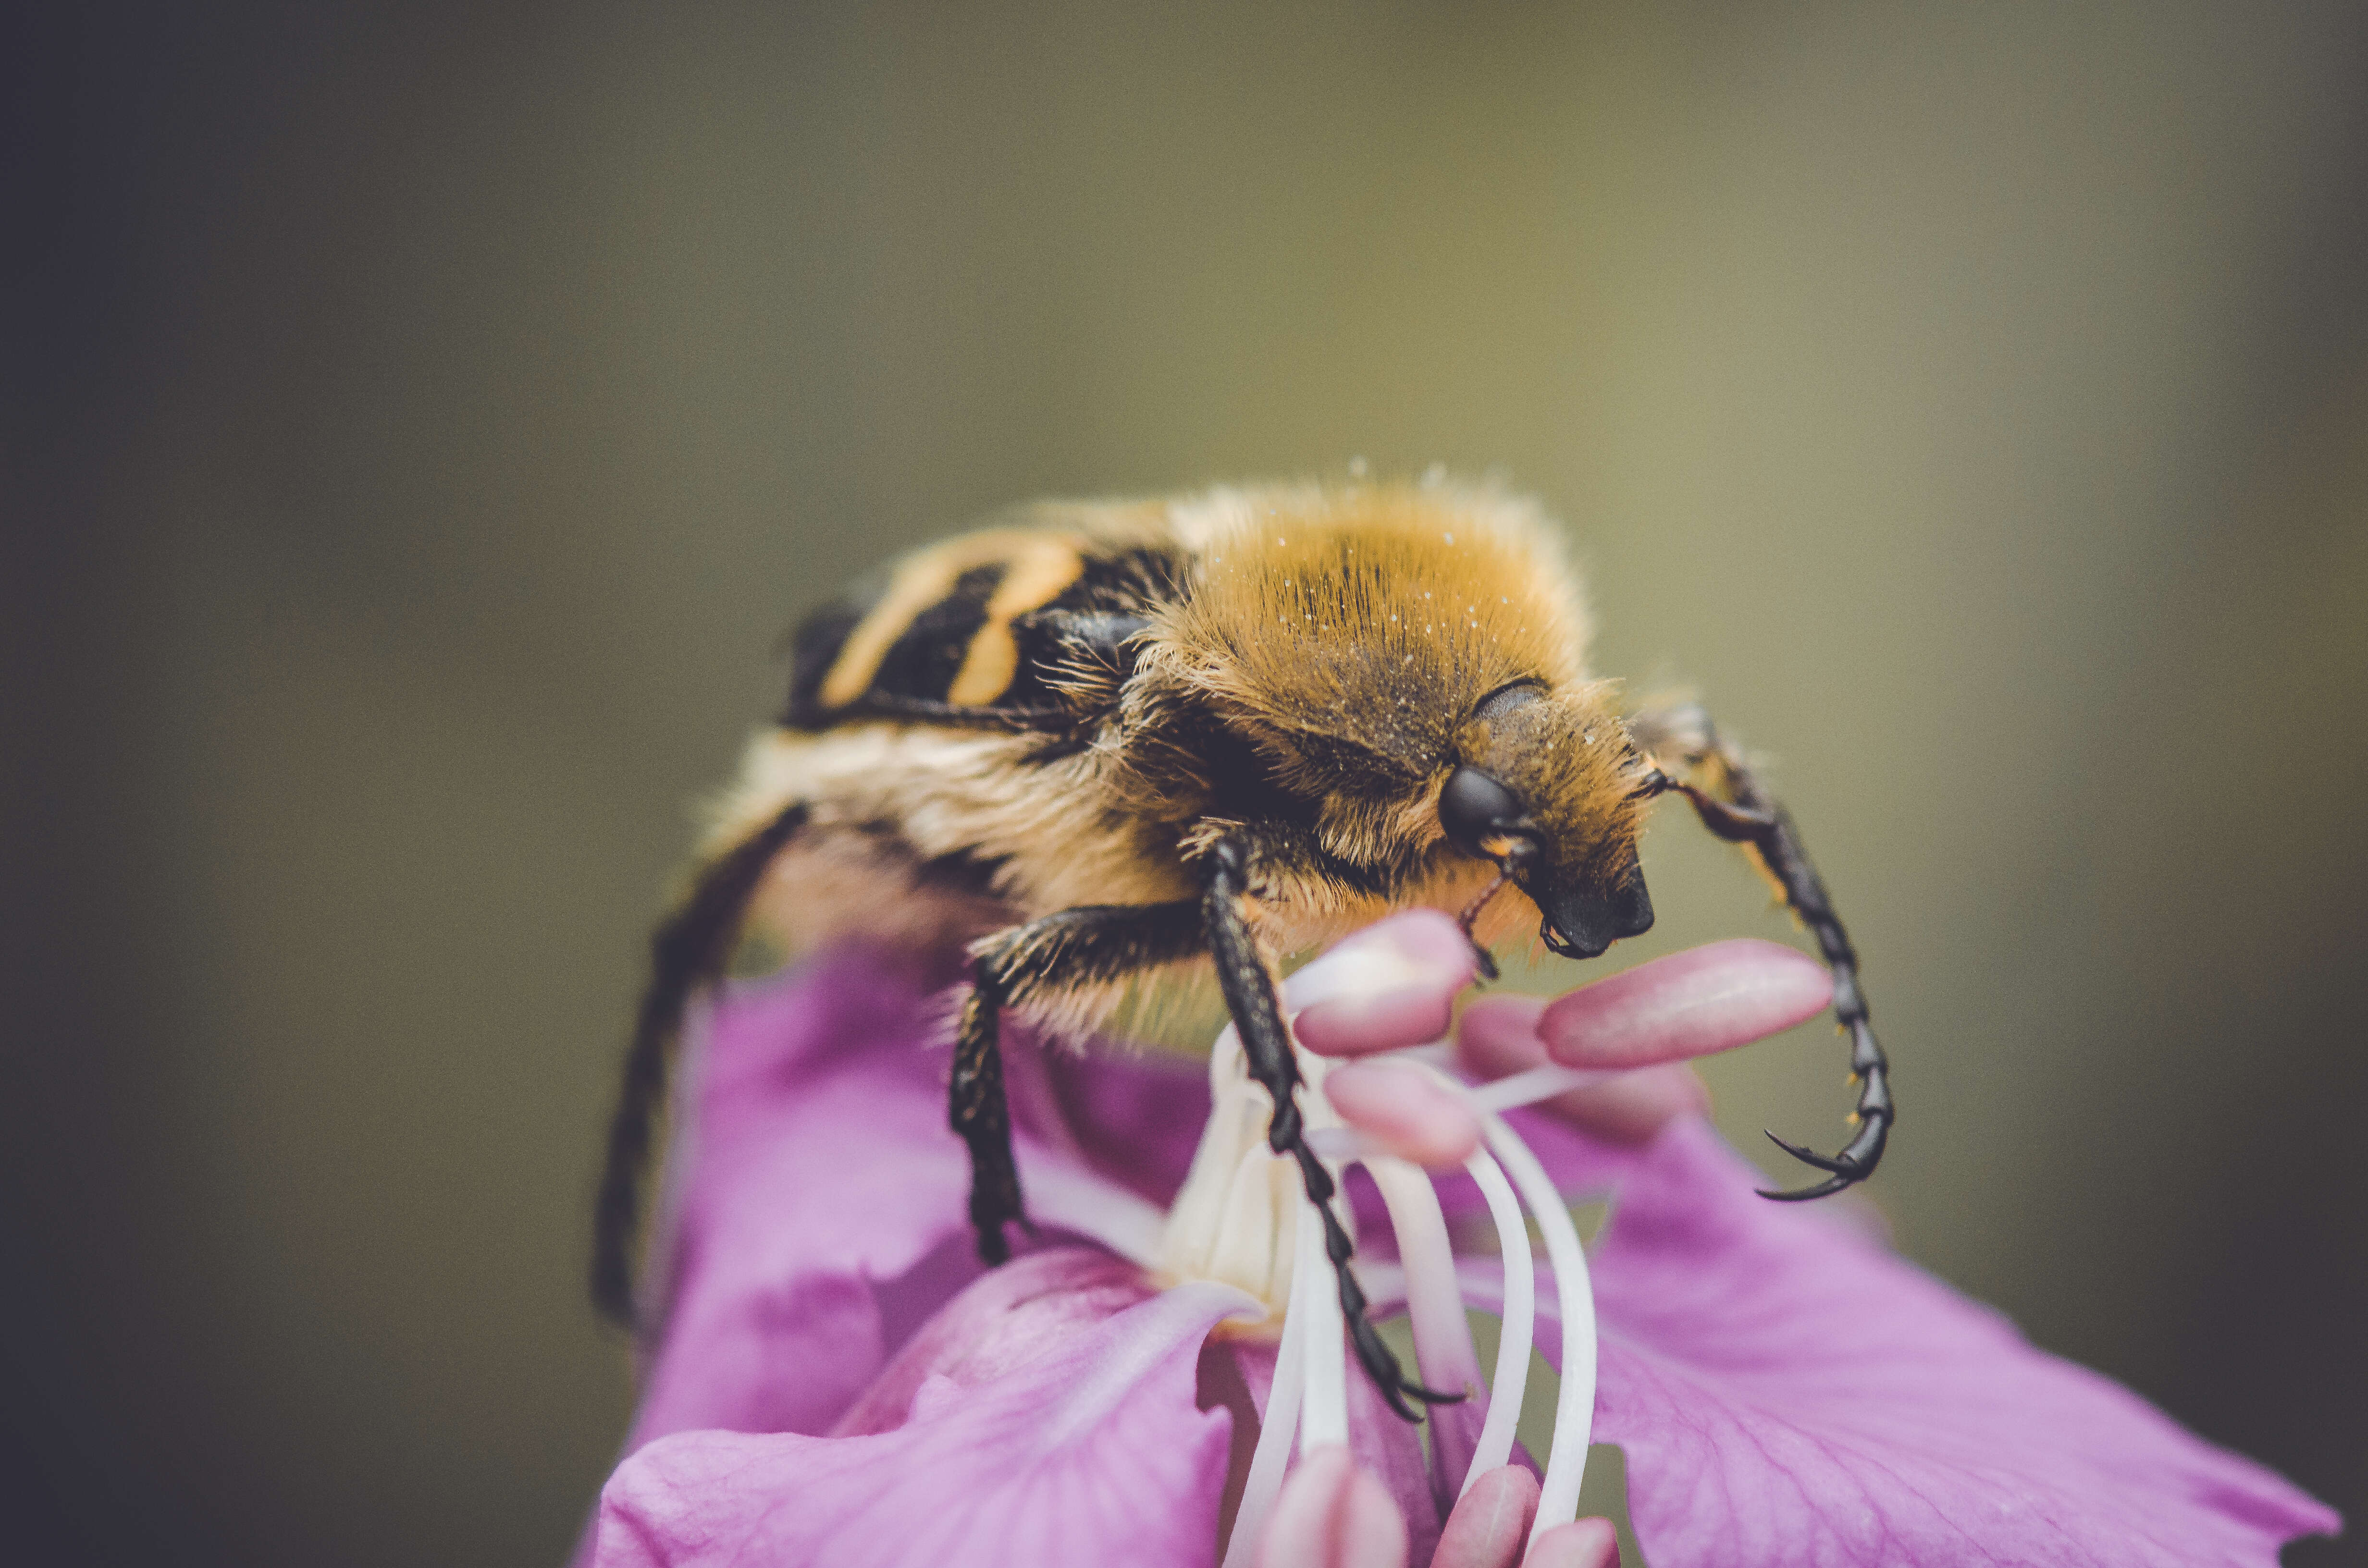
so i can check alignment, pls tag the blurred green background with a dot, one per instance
(421, 422)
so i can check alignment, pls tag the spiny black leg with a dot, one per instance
(688, 953)
(978, 1113)
(1249, 996)
(1088, 944)
(1736, 809)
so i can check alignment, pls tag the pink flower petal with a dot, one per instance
(1490, 1521)
(1788, 1391)
(1405, 1109)
(1691, 1004)
(1785, 1390)
(817, 1205)
(1092, 1454)
(998, 1326)
(786, 1298)
(1333, 1515)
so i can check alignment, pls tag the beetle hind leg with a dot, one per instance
(688, 954)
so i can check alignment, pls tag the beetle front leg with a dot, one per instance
(1695, 761)
(1249, 986)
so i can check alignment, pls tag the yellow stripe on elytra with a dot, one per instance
(918, 583)
(1032, 576)
(1037, 567)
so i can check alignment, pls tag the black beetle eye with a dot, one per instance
(1474, 807)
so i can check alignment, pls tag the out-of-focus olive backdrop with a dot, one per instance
(422, 421)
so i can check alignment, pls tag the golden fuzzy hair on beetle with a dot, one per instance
(1349, 636)
(1106, 755)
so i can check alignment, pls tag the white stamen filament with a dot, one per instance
(1324, 1419)
(1443, 1353)
(1534, 1085)
(1272, 1455)
(1519, 1322)
(1574, 1410)
(1241, 1217)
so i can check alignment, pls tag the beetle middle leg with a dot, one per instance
(1091, 944)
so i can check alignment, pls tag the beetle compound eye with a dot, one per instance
(1507, 697)
(1474, 808)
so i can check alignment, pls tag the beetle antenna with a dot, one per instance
(1485, 959)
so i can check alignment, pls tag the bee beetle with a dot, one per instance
(1115, 745)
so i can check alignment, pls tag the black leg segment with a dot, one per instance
(979, 1114)
(688, 953)
(1713, 776)
(1093, 943)
(1248, 986)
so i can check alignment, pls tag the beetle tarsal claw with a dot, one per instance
(1852, 1165)
(1825, 1188)
(1395, 1387)
(1841, 1165)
